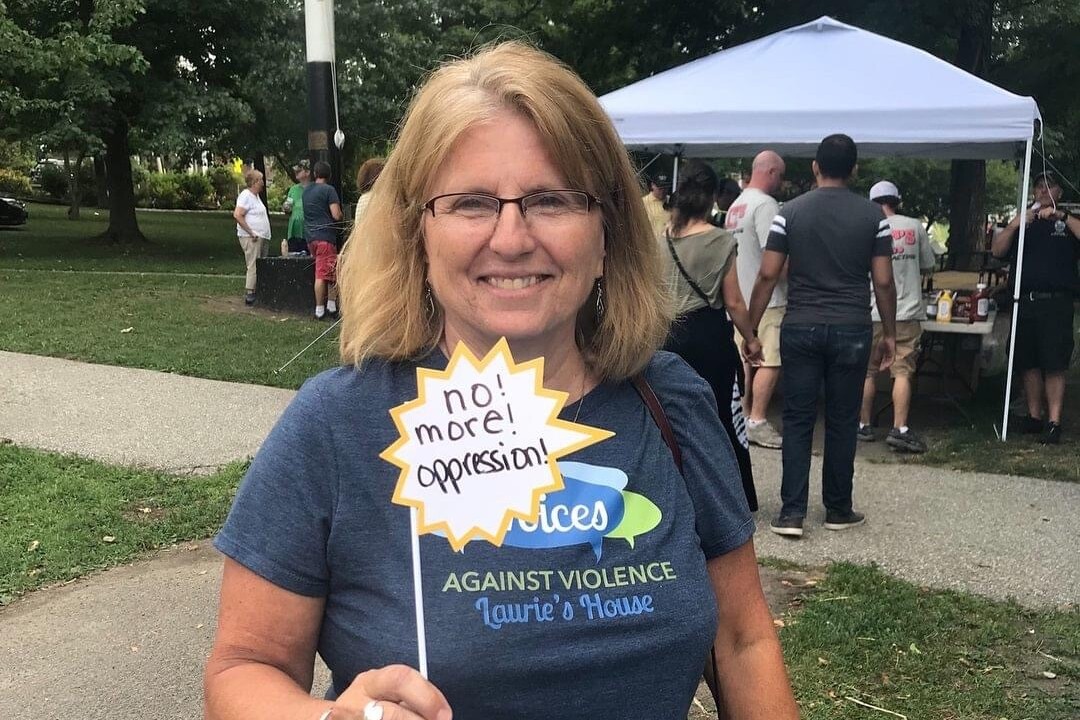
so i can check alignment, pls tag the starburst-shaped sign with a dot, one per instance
(478, 446)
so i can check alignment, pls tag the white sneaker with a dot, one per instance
(764, 435)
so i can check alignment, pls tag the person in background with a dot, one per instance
(508, 209)
(252, 228)
(831, 240)
(748, 219)
(912, 257)
(706, 286)
(294, 205)
(365, 180)
(727, 191)
(655, 203)
(1044, 328)
(322, 213)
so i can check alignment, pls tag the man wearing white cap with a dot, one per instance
(912, 256)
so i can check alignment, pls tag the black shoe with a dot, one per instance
(905, 441)
(865, 433)
(1028, 425)
(249, 298)
(843, 521)
(1052, 434)
(787, 526)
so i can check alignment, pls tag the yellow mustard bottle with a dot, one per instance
(944, 306)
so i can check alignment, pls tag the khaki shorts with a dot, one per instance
(908, 333)
(769, 335)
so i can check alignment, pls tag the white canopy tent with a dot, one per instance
(788, 90)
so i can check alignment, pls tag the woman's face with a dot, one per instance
(511, 277)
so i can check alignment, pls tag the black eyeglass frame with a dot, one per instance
(590, 199)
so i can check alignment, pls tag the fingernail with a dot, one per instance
(444, 715)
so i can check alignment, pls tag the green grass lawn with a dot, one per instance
(187, 325)
(190, 242)
(62, 517)
(928, 654)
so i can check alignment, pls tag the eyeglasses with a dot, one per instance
(478, 210)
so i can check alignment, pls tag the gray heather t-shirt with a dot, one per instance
(911, 256)
(749, 219)
(319, 224)
(830, 235)
(602, 610)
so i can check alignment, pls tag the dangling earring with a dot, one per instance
(600, 309)
(430, 301)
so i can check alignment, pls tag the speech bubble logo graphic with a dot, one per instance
(478, 446)
(611, 477)
(579, 513)
(640, 515)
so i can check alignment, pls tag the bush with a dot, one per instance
(225, 184)
(53, 181)
(164, 190)
(196, 191)
(171, 191)
(14, 183)
(276, 192)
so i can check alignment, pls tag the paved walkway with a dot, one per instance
(133, 417)
(131, 642)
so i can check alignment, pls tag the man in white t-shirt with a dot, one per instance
(748, 219)
(912, 257)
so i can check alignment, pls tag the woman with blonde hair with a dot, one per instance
(507, 209)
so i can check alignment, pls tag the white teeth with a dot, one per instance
(513, 283)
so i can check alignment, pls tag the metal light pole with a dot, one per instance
(325, 138)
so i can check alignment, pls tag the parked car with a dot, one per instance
(12, 212)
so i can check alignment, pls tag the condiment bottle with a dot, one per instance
(944, 306)
(981, 303)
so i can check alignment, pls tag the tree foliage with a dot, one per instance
(175, 78)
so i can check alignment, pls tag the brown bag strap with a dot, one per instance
(660, 418)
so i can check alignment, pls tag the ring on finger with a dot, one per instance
(373, 711)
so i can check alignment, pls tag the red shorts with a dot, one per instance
(325, 254)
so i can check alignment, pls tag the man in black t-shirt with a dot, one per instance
(1048, 285)
(833, 242)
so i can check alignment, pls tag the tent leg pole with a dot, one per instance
(1021, 208)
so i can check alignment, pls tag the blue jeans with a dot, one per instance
(811, 354)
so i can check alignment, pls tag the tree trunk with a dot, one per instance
(967, 187)
(100, 182)
(123, 225)
(74, 186)
(967, 214)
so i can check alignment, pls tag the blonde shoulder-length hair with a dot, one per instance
(385, 308)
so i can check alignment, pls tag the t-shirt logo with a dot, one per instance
(903, 239)
(1059, 227)
(593, 505)
(734, 214)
